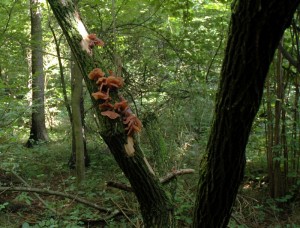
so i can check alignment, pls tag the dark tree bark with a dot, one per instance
(38, 130)
(255, 31)
(156, 208)
(278, 175)
(270, 137)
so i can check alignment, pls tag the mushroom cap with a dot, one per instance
(110, 114)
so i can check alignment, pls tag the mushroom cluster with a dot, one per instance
(119, 109)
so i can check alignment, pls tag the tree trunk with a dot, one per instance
(38, 130)
(255, 30)
(156, 141)
(61, 73)
(74, 70)
(156, 208)
(278, 178)
(296, 135)
(78, 146)
(78, 104)
(270, 141)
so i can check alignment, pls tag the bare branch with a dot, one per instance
(163, 180)
(56, 193)
(174, 174)
(117, 185)
(36, 195)
(289, 57)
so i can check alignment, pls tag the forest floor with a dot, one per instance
(45, 167)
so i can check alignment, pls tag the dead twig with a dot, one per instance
(36, 195)
(56, 193)
(123, 212)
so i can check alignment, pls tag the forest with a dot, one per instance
(135, 113)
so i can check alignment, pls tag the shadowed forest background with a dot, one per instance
(169, 54)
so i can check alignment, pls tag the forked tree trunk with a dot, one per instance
(38, 130)
(156, 208)
(255, 30)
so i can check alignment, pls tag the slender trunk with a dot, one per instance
(296, 155)
(77, 127)
(278, 180)
(270, 141)
(76, 100)
(285, 153)
(74, 70)
(38, 130)
(295, 126)
(62, 76)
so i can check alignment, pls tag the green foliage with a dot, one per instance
(51, 223)
(171, 52)
(3, 206)
(23, 197)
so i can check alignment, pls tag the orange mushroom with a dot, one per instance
(113, 81)
(106, 106)
(110, 114)
(121, 106)
(133, 124)
(110, 82)
(96, 74)
(95, 41)
(100, 95)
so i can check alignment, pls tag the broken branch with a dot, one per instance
(56, 193)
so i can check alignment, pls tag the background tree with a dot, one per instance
(38, 130)
(79, 157)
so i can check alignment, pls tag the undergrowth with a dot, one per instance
(45, 167)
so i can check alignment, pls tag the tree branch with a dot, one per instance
(55, 193)
(120, 186)
(36, 195)
(170, 176)
(61, 72)
(289, 57)
(163, 180)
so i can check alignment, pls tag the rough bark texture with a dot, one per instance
(255, 30)
(157, 211)
(38, 130)
(156, 208)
